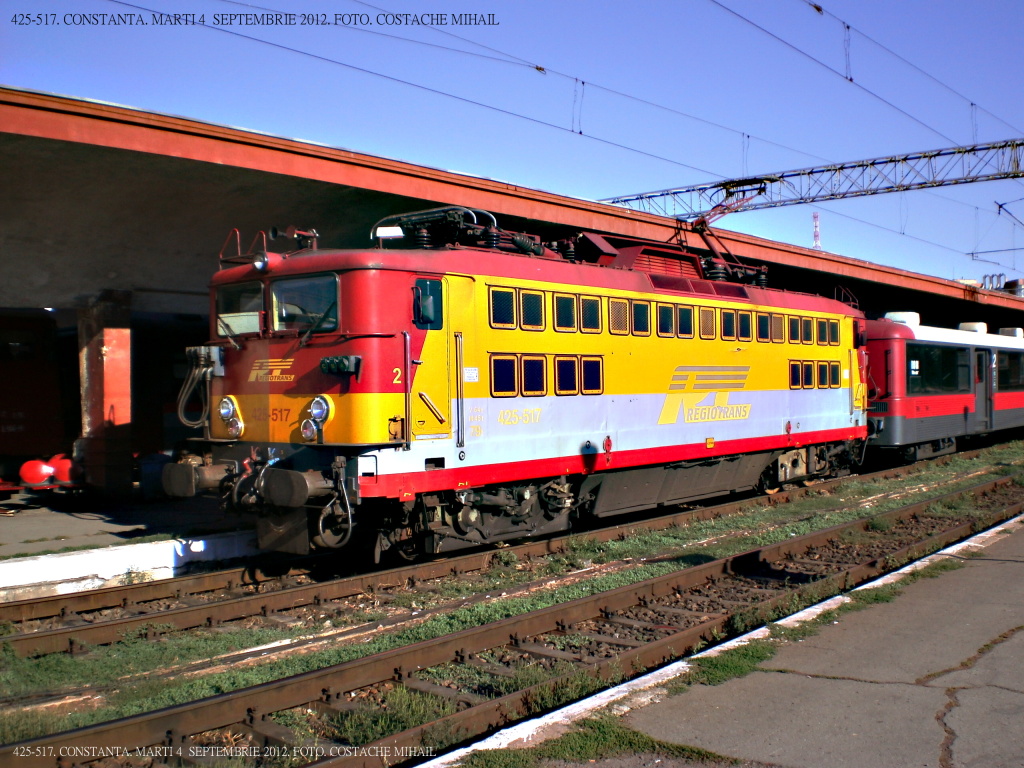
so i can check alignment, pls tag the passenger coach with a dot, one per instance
(931, 386)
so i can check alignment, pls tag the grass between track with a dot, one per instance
(685, 546)
(607, 736)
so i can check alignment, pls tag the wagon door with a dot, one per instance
(431, 381)
(982, 390)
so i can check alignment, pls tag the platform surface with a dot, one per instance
(933, 679)
(32, 524)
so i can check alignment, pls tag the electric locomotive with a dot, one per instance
(930, 386)
(473, 385)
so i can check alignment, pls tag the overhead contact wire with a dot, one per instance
(437, 92)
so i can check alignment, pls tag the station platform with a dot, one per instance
(35, 523)
(932, 679)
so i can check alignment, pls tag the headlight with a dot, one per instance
(320, 409)
(227, 409)
(235, 427)
(308, 429)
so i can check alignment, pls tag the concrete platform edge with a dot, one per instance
(638, 691)
(68, 572)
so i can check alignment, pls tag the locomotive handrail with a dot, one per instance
(460, 397)
(372, 335)
(853, 392)
(407, 427)
(429, 216)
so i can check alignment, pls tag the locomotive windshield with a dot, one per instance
(305, 304)
(238, 309)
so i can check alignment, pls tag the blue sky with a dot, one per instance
(631, 97)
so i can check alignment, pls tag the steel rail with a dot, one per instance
(77, 637)
(126, 595)
(251, 707)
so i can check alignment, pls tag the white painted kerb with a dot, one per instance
(67, 572)
(537, 730)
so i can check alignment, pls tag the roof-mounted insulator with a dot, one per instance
(528, 246)
(303, 238)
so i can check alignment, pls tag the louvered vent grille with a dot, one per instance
(675, 266)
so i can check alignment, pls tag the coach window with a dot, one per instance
(567, 376)
(666, 320)
(764, 327)
(807, 324)
(503, 308)
(305, 304)
(531, 308)
(707, 322)
(534, 384)
(794, 374)
(593, 376)
(641, 318)
(565, 312)
(937, 370)
(833, 375)
(822, 331)
(833, 332)
(239, 308)
(779, 329)
(794, 330)
(590, 314)
(745, 326)
(822, 375)
(685, 317)
(808, 382)
(503, 376)
(618, 316)
(1010, 370)
(729, 324)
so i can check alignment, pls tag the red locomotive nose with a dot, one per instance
(36, 472)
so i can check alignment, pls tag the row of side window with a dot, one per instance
(802, 375)
(512, 308)
(539, 375)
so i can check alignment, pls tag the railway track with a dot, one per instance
(481, 678)
(72, 623)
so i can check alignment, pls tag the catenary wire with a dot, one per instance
(833, 70)
(824, 11)
(506, 112)
(437, 92)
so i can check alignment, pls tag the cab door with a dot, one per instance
(431, 402)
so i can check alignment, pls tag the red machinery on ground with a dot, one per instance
(33, 413)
